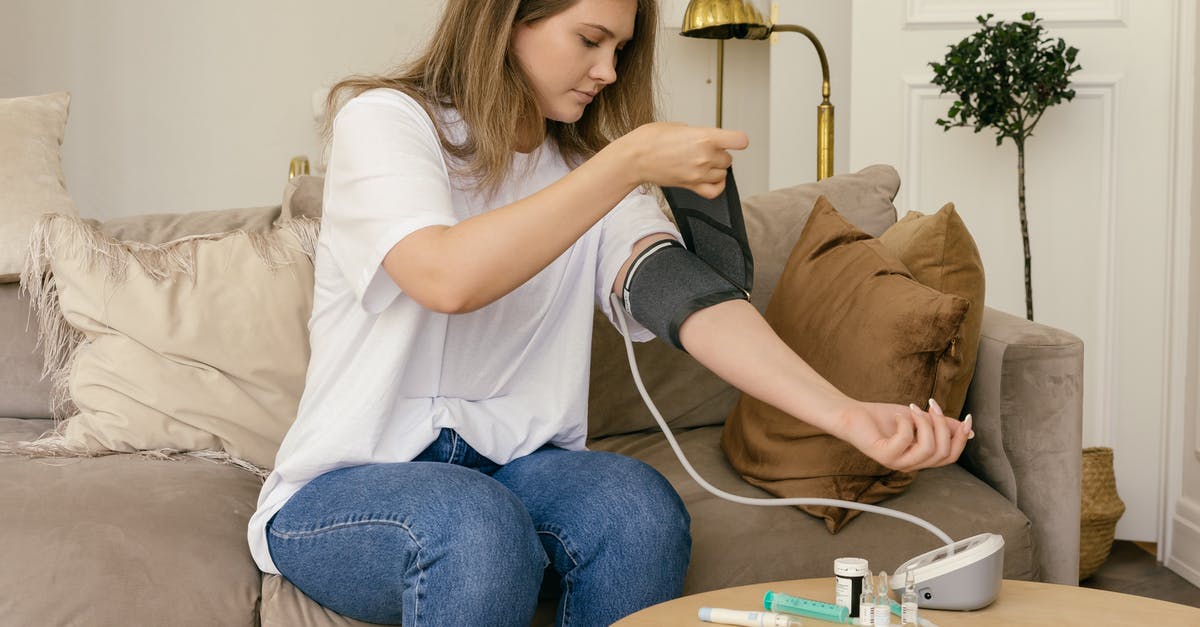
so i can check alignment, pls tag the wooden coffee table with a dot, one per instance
(1019, 603)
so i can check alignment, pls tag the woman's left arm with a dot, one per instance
(734, 341)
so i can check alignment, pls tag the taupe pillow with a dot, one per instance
(939, 252)
(686, 392)
(31, 174)
(853, 312)
(160, 228)
(198, 344)
(303, 197)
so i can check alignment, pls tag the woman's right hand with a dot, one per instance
(670, 154)
(905, 438)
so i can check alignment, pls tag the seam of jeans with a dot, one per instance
(372, 521)
(566, 549)
(565, 602)
(290, 535)
(565, 582)
(453, 446)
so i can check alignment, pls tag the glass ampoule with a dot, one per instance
(908, 602)
(866, 601)
(883, 608)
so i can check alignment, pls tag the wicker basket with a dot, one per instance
(1100, 511)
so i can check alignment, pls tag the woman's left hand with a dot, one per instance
(905, 438)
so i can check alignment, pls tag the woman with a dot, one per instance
(478, 205)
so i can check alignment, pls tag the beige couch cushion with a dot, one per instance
(23, 391)
(31, 174)
(854, 313)
(939, 252)
(124, 540)
(735, 544)
(686, 392)
(198, 344)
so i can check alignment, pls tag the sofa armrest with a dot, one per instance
(1027, 400)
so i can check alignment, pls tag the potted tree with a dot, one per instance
(1005, 76)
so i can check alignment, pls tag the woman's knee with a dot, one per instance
(424, 529)
(627, 500)
(651, 511)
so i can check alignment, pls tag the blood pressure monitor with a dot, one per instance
(961, 576)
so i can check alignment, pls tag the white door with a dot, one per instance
(1099, 180)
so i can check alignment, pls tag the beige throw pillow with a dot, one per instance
(31, 174)
(198, 344)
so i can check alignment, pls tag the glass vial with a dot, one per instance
(848, 573)
(883, 608)
(908, 602)
(866, 602)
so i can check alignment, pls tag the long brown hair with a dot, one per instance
(469, 65)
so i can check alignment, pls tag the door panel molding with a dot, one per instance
(956, 13)
(919, 92)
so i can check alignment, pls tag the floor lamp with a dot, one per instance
(738, 19)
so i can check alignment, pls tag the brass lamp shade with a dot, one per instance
(724, 19)
(738, 19)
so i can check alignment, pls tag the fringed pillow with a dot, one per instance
(196, 345)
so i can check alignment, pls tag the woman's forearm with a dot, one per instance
(734, 341)
(737, 344)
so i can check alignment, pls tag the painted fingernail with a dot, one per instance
(971, 435)
(934, 406)
(913, 406)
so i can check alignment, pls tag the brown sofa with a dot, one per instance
(126, 540)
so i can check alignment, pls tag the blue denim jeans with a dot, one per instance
(452, 538)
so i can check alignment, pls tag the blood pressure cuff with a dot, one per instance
(667, 283)
(715, 230)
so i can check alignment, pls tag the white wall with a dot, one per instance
(184, 106)
(181, 106)
(1183, 555)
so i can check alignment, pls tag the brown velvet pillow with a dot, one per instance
(939, 252)
(853, 312)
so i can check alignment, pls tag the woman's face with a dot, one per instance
(570, 56)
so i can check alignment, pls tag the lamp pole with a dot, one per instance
(720, 79)
(825, 109)
(738, 19)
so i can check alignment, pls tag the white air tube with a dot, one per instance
(745, 500)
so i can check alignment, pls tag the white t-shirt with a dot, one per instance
(386, 374)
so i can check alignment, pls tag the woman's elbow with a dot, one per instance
(439, 296)
(425, 278)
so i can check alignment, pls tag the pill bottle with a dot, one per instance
(848, 573)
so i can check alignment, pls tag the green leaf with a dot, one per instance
(1005, 75)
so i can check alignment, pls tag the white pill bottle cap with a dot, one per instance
(850, 567)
